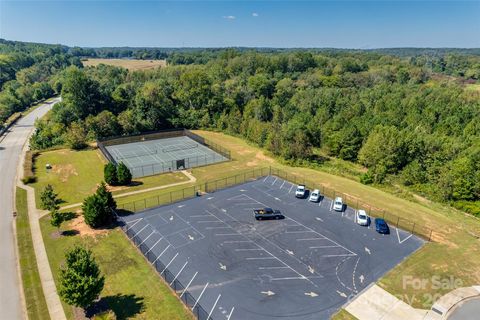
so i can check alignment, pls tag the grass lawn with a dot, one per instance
(130, 64)
(32, 287)
(132, 289)
(343, 315)
(76, 174)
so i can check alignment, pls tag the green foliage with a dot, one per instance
(49, 199)
(110, 174)
(80, 279)
(97, 208)
(124, 176)
(366, 178)
(76, 137)
(56, 219)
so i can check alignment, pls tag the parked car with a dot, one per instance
(267, 213)
(314, 196)
(300, 192)
(362, 218)
(381, 226)
(338, 204)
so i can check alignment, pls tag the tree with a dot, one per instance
(48, 199)
(80, 279)
(110, 174)
(56, 219)
(77, 136)
(97, 208)
(124, 176)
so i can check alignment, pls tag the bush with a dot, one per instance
(110, 174)
(56, 219)
(366, 178)
(97, 208)
(28, 167)
(124, 176)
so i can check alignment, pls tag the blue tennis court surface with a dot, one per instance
(149, 157)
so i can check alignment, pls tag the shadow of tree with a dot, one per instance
(70, 233)
(124, 306)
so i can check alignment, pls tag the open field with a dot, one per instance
(130, 64)
(132, 289)
(455, 252)
(76, 175)
(32, 287)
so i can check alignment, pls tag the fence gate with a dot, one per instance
(181, 164)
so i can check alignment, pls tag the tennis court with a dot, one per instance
(149, 157)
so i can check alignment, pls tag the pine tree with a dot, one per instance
(48, 199)
(110, 174)
(80, 279)
(97, 208)
(56, 219)
(124, 176)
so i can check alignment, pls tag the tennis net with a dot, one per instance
(179, 147)
(136, 154)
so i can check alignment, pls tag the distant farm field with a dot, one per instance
(130, 64)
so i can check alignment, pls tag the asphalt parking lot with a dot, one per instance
(305, 266)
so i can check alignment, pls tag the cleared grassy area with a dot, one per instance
(343, 315)
(32, 287)
(130, 64)
(76, 175)
(132, 288)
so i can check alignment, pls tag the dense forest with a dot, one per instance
(410, 119)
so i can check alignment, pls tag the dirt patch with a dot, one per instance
(64, 171)
(421, 199)
(78, 224)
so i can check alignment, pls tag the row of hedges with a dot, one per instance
(29, 167)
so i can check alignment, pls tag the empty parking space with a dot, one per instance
(305, 266)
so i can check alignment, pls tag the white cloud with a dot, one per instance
(229, 17)
(254, 14)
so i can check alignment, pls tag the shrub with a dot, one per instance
(28, 167)
(110, 174)
(56, 219)
(124, 176)
(366, 178)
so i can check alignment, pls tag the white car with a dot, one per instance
(338, 204)
(300, 192)
(362, 218)
(314, 196)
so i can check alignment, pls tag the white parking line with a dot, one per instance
(216, 221)
(256, 249)
(168, 264)
(261, 258)
(146, 238)
(199, 215)
(265, 178)
(290, 190)
(228, 234)
(214, 305)
(308, 231)
(339, 255)
(210, 228)
(274, 181)
(268, 268)
(136, 221)
(282, 184)
(161, 254)
(237, 241)
(139, 231)
(179, 273)
(189, 283)
(310, 239)
(228, 318)
(154, 245)
(200, 296)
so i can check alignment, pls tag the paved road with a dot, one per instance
(468, 310)
(10, 150)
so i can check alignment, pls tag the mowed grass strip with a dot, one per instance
(343, 315)
(130, 64)
(76, 175)
(133, 290)
(32, 287)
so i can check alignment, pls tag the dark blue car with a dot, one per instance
(381, 226)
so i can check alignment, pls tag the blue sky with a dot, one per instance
(339, 24)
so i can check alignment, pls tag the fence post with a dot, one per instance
(383, 213)
(270, 172)
(430, 237)
(145, 202)
(170, 196)
(398, 219)
(183, 191)
(158, 199)
(413, 228)
(134, 209)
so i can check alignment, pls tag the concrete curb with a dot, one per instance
(446, 304)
